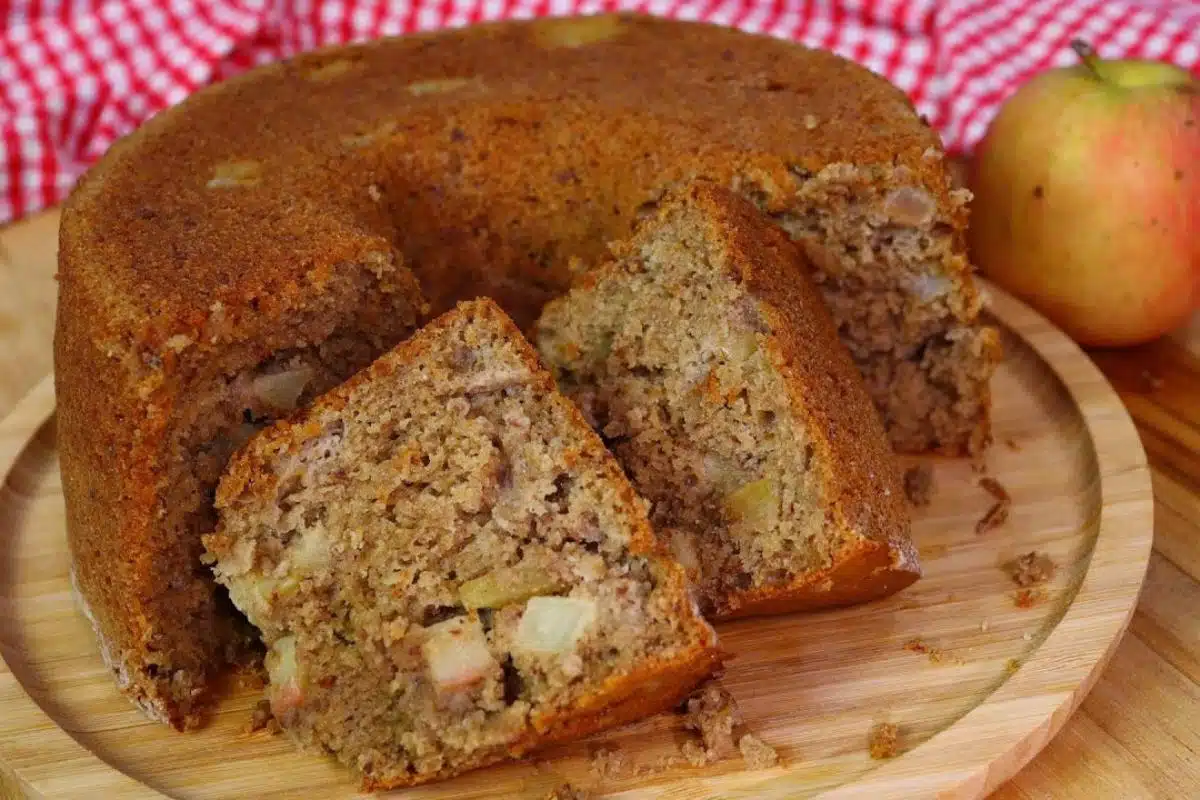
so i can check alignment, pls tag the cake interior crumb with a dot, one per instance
(670, 358)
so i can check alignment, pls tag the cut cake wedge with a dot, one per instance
(447, 565)
(708, 362)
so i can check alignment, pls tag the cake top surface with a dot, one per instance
(254, 191)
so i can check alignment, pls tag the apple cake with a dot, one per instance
(300, 219)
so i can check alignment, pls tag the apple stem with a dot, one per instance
(1087, 55)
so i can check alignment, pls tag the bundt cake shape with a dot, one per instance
(251, 247)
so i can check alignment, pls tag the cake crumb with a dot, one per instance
(1027, 636)
(997, 515)
(1028, 598)
(1030, 569)
(1012, 665)
(983, 626)
(609, 763)
(757, 753)
(810, 122)
(882, 741)
(935, 654)
(261, 718)
(918, 484)
(712, 713)
(665, 763)
(567, 791)
(694, 753)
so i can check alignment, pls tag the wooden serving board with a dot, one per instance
(976, 677)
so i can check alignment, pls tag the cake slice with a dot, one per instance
(448, 567)
(709, 363)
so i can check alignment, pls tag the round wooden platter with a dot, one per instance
(976, 675)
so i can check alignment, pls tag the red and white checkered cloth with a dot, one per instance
(77, 74)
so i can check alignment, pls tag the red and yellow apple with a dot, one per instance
(1087, 198)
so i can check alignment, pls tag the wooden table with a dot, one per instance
(1137, 734)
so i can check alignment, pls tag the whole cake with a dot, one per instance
(262, 238)
(705, 358)
(448, 566)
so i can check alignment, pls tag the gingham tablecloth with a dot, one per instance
(77, 74)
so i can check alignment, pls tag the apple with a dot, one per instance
(1087, 198)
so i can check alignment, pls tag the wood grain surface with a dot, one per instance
(1135, 735)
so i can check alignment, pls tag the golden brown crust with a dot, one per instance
(861, 572)
(359, 157)
(146, 209)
